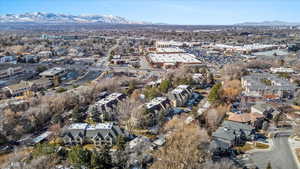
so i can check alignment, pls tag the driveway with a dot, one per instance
(280, 156)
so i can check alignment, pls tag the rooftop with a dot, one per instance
(156, 101)
(86, 126)
(52, 71)
(109, 98)
(174, 58)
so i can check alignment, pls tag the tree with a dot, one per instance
(281, 62)
(214, 93)
(56, 81)
(179, 153)
(151, 93)
(269, 166)
(40, 69)
(79, 156)
(297, 99)
(164, 86)
(76, 115)
(3, 139)
(211, 79)
(121, 142)
(231, 89)
(101, 159)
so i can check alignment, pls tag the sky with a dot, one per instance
(191, 12)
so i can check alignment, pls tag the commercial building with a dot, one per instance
(53, 72)
(243, 49)
(171, 60)
(11, 72)
(26, 86)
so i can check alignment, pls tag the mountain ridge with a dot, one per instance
(40, 17)
(269, 23)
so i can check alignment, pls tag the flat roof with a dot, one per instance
(52, 71)
(174, 58)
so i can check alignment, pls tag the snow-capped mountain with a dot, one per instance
(269, 23)
(39, 17)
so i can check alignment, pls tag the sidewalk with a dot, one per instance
(293, 144)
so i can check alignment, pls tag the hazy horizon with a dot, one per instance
(189, 12)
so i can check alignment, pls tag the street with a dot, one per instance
(280, 156)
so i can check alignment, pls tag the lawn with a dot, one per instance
(298, 153)
(249, 146)
(259, 145)
(246, 147)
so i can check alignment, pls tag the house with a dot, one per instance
(158, 104)
(8, 59)
(265, 109)
(180, 95)
(262, 84)
(98, 134)
(232, 134)
(105, 107)
(254, 119)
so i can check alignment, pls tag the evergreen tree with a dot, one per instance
(214, 93)
(121, 142)
(164, 86)
(269, 166)
(101, 159)
(76, 114)
(79, 157)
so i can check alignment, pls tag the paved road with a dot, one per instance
(91, 75)
(280, 156)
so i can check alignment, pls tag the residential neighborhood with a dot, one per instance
(91, 91)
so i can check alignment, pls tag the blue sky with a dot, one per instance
(167, 11)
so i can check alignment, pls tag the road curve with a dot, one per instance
(280, 156)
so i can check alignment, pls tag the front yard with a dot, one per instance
(252, 146)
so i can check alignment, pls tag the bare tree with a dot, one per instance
(185, 148)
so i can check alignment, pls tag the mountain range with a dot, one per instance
(269, 23)
(52, 18)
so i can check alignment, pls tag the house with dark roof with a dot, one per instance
(105, 107)
(265, 109)
(100, 133)
(158, 104)
(265, 84)
(254, 119)
(180, 95)
(232, 134)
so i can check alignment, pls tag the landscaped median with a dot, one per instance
(249, 146)
(294, 143)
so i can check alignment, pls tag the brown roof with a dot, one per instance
(245, 117)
